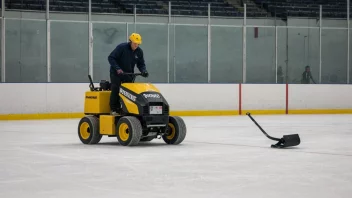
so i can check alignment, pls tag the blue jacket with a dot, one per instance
(123, 57)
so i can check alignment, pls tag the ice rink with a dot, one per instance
(220, 157)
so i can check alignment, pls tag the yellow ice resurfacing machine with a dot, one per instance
(144, 117)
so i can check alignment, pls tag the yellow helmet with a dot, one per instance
(136, 38)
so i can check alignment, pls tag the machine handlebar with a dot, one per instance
(134, 74)
(91, 85)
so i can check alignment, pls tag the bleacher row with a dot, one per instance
(233, 8)
(305, 8)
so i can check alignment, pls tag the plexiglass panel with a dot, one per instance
(191, 54)
(226, 54)
(282, 55)
(69, 52)
(350, 57)
(334, 56)
(260, 55)
(298, 48)
(155, 52)
(0, 50)
(25, 51)
(106, 37)
(187, 44)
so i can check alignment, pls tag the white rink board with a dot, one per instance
(18, 98)
(72, 94)
(263, 97)
(320, 96)
(42, 98)
(32, 98)
(201, 96)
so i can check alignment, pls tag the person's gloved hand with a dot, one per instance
(145, 73)
(119, 71)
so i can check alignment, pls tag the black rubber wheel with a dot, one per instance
(128, 131)
(176, 131)
(88, 130)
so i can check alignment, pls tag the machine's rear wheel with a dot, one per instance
(88, 130)
(176, 131)
(128, 131)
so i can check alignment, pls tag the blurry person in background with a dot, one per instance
(280, 75)
(306, 76)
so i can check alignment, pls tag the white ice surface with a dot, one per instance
(220, 157)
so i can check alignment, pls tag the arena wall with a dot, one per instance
(66, 100)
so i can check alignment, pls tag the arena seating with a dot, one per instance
(179, 7)
(200, 7)
(305, 8)
(98, 6)
(233, 8)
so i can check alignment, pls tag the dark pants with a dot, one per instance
(115, 90)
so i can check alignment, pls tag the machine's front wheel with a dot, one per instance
(176, 130)
(88, 130)
(129, 131)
